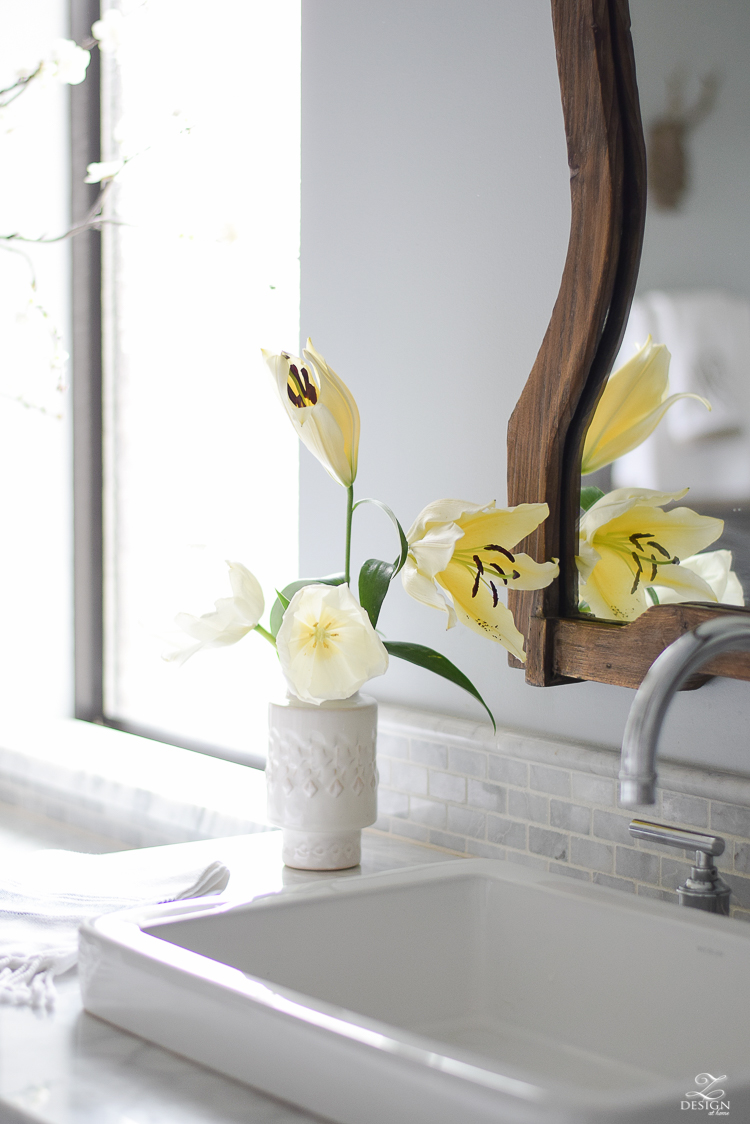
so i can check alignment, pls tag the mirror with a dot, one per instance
(548, 429)
(692, 295)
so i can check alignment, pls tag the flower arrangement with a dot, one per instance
(632, 553)
(457, 557)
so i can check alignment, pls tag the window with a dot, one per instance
(200, 269)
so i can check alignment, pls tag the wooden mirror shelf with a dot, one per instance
(606, 155)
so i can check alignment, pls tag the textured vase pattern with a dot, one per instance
(315, 765)
(321, 773)
(314, 850)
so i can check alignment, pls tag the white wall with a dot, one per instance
(434, 225)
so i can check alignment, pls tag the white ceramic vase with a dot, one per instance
(322, 779)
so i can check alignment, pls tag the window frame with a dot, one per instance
(87, 379)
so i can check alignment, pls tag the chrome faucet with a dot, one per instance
(703, 889)
(665, 676)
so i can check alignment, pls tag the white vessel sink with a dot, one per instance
(457, 993)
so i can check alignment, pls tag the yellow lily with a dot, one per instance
(635, 400)
(627, 543)
(321, 409)
(715, 567)
(461, 557)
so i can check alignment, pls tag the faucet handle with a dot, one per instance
(677, 837)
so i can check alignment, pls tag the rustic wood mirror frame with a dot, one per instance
(607, 160)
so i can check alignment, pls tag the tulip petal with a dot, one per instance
(216, 630)
(327, 646)
(180, 655)
(232, 618)
(715, 567)
(247, 592)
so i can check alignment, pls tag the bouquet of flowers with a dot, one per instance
(457, 557)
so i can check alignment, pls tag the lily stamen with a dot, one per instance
(306, 392)
(310, 392)
(638, 572)
(480, 567)
(494, 595)
(507, 553)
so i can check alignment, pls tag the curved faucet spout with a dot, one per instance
(665, 676)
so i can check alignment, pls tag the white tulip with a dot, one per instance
(327, 645)
(715, 567)
(233, 617)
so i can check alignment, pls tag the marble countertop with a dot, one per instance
(67, 1067)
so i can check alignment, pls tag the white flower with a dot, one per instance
(68, 62)
(321, 408)
(108, 31)
(97, 173)
(232, 619)
(326, 644)
(715, 567)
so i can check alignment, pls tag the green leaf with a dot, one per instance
(279, 608)
(374, 579)
(433, 661)
(398, 564)
(652, 594)
(589, 495)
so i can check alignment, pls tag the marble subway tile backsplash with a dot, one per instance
(551, 805)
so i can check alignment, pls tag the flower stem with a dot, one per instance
(349, 510)
(265, 634)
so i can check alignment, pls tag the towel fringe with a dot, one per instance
(27, 981)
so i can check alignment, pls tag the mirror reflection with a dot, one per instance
(666, 467)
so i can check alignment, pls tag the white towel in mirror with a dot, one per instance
(708, 335)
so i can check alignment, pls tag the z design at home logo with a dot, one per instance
(707, 1096)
